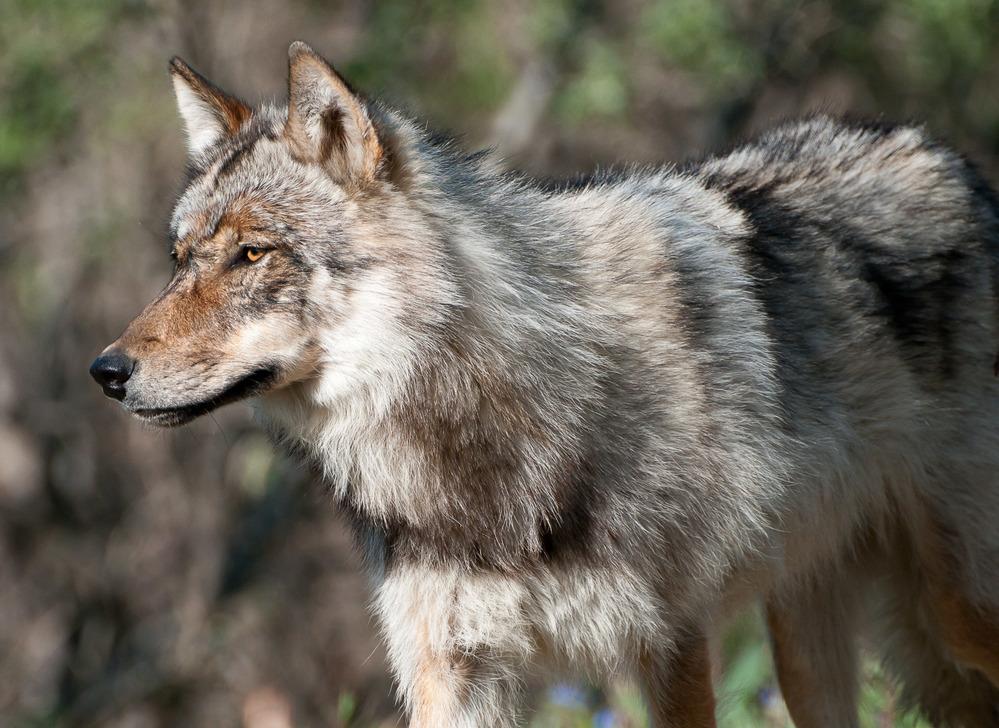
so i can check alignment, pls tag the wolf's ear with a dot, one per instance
(327, 122)
(208, 112)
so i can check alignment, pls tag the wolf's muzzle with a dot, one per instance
(111, 370)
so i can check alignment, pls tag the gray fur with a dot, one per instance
(575, 426)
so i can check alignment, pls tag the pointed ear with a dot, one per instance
(327, 122)
(208, 112)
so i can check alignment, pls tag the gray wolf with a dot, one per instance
(575, 426)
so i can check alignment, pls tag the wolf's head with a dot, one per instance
(293, 245)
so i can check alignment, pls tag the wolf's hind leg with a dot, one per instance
(811, 632)
(677, 685)
(968, 630)
(938, 622)
(958, 566)
(921, 664)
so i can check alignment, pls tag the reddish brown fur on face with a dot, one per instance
(232, 112)
(244, 219)
(183, 309)
(186, 308)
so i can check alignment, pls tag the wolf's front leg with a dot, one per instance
(458, 644)
(461, 691)
(678, 685)
(812, 639)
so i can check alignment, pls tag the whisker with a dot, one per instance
(224, 436)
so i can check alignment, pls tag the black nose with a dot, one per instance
(111, 371)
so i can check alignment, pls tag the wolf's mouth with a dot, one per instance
(253, 383)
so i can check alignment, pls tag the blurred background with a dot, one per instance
(196, 577)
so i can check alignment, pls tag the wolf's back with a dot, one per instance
(868, 241)
(875, 253)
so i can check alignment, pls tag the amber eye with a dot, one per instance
(253, 254)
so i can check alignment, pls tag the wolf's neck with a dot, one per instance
(478, 423)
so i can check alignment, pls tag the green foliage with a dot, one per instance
(346, 708)
(471, 71)
(598, 89)
(700, 37)
(45, 47)
(952, 33)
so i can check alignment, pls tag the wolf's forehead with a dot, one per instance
(197, 216)
(259, 175)
(190, 218)
(227, 177)
(241, 216)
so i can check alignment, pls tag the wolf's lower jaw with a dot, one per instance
(252, 384)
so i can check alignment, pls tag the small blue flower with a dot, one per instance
(605, 718)
(568, 696)
(768, 698)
